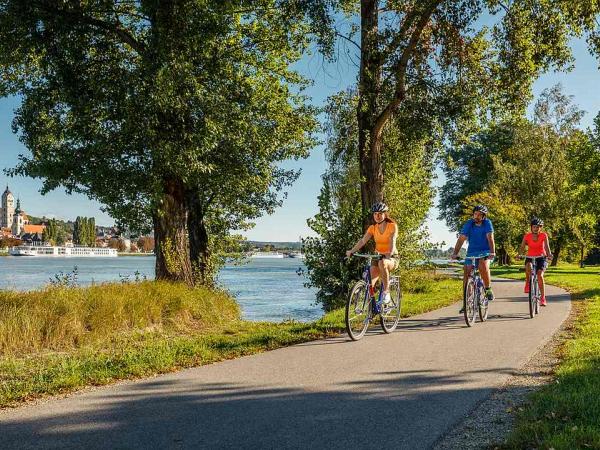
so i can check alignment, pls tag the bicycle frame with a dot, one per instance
(366, 276)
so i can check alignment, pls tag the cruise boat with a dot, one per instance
(267, 255)
(50, 251)
(298, 255)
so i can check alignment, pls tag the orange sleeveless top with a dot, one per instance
(383, 241)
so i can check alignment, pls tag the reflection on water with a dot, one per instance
(266, 289)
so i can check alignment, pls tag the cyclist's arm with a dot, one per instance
(490, 238)
(547, 247)
(393, 238)
(361, 243)
(459, 243)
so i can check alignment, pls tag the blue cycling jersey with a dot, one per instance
(477, 236)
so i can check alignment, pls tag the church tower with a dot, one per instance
(18, 220)
(7, 210)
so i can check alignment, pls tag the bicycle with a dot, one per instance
(474, 298)
(534, 286)
(362, 308)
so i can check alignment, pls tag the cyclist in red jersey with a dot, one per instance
(537, 245)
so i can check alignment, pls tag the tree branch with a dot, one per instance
(79, 17)
(407, 53)
(348, 39)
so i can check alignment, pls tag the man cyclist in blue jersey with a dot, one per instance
(480, 234)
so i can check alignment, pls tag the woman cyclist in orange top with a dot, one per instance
(385, 232)
(537, 245)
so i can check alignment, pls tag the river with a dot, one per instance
(266, 289)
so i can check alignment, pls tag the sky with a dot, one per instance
(288, 223)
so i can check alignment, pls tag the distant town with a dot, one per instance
(18, 228)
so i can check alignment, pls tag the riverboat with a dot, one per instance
(56, 251)
(267, 255)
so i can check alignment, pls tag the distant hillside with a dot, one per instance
(276, 245)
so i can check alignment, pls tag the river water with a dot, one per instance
(266, 289)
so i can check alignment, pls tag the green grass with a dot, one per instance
(58, 340)
(566, 413)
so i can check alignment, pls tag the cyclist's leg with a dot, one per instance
(385, 267)
(527, 274)
(374, 274)
(484, 270)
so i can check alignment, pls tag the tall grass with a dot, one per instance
(62, 318)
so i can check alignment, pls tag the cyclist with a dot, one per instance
(479, 231)
(385, 232)
(537, 244)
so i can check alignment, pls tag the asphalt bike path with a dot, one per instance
(404, 390)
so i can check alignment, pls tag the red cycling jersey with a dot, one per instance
(535, 247)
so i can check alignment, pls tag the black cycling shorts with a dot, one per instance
(542, 263)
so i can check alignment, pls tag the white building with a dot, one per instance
(7, 209)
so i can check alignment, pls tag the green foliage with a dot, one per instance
(524, 169)
(84, 231)
(54, 233)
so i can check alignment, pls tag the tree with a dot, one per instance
(439, 46)
(407, 160)
(174, 115)
(146, 244)
(538, 171)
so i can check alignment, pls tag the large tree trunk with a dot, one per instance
(199, 248)
(369, 142)
(171, 235)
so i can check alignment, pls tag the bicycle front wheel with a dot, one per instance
(483, 304)
(532, 296)
(390, 313)
(469, 299)
(358, 310)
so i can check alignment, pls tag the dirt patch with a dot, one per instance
(492, 420)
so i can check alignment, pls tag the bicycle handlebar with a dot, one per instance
(534, 256)
(483, 255)
(366, 255)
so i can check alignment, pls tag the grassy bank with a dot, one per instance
(62, 339)
(566, 414)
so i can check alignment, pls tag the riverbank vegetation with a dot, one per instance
(62, 338)
(566, 413)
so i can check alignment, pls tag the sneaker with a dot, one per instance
(543, 301)
(526, 288)
(489, 294)
(387, 298)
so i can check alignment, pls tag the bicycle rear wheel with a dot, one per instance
(483, 304)
(390, 313)
(532, 296)
(358, 311)
(469, 302)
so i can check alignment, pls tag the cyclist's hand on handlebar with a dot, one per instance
(491, 256)
(348, 254)
(453, 257)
